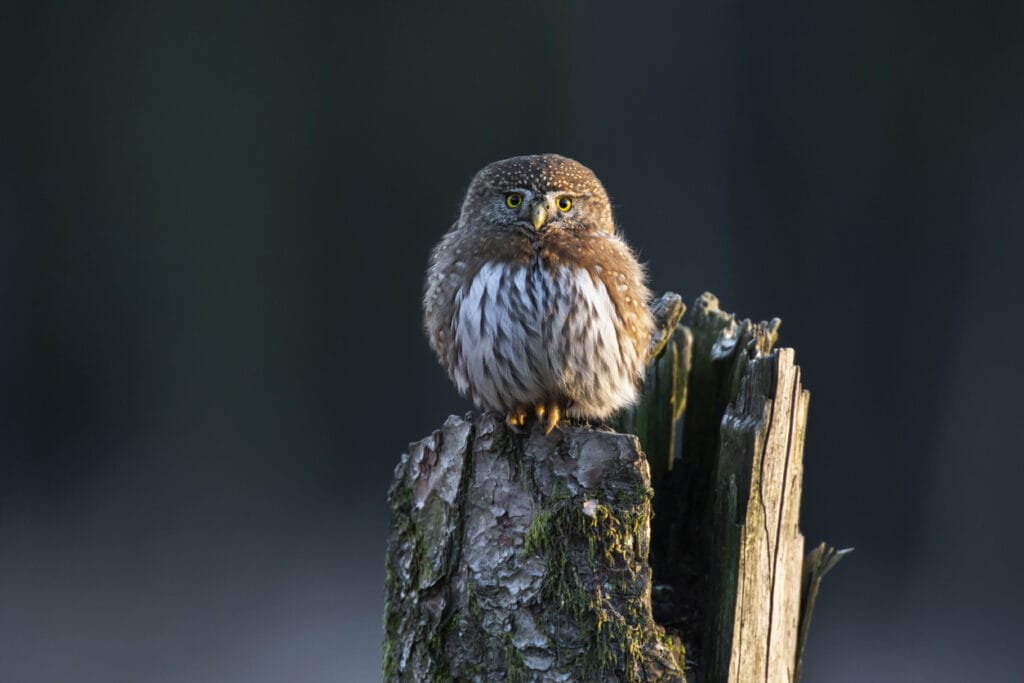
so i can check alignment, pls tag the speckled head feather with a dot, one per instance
(533, 302)
(540, 174)
(537, 172)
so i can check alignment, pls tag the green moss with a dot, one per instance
(436, 648)
(515, 666)
(390, 669)
(641, 493)
(472, 602)
(675, 646)
(609, 536)
(391, 623)
(559, 491)
(431, 558)
(572, 536)
(537, 539)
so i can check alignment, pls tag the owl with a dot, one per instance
(533, 302)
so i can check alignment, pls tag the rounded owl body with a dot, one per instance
(533, 303)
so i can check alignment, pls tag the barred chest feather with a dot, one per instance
(525, 333)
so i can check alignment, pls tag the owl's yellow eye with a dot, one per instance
(564, 203)
(513, 199)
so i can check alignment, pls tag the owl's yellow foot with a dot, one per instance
(516, 417)
(550, 415)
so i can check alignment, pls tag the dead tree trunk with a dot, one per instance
(526, 557)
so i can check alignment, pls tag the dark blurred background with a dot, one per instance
(214, 223)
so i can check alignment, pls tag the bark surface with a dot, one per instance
(523, 557)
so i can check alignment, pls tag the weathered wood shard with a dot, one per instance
(757, 506)
(818, 562)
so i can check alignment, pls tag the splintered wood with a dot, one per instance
(761, 471)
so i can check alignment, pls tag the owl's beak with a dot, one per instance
(538, 214)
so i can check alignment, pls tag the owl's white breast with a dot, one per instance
(529, 334)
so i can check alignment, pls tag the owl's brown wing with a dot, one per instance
(444, 277)
(625, 281)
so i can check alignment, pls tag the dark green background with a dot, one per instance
(214, 222)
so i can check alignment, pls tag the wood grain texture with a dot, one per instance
(758, 490)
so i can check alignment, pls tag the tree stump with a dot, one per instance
(524, 557)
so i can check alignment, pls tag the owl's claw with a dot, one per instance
(516, 417)
(550, 414)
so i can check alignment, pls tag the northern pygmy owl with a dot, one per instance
(534, 303)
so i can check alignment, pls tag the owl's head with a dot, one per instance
(537, 194)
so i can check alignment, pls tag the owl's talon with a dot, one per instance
(539, 411)
(553, 412)
(516, 417)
